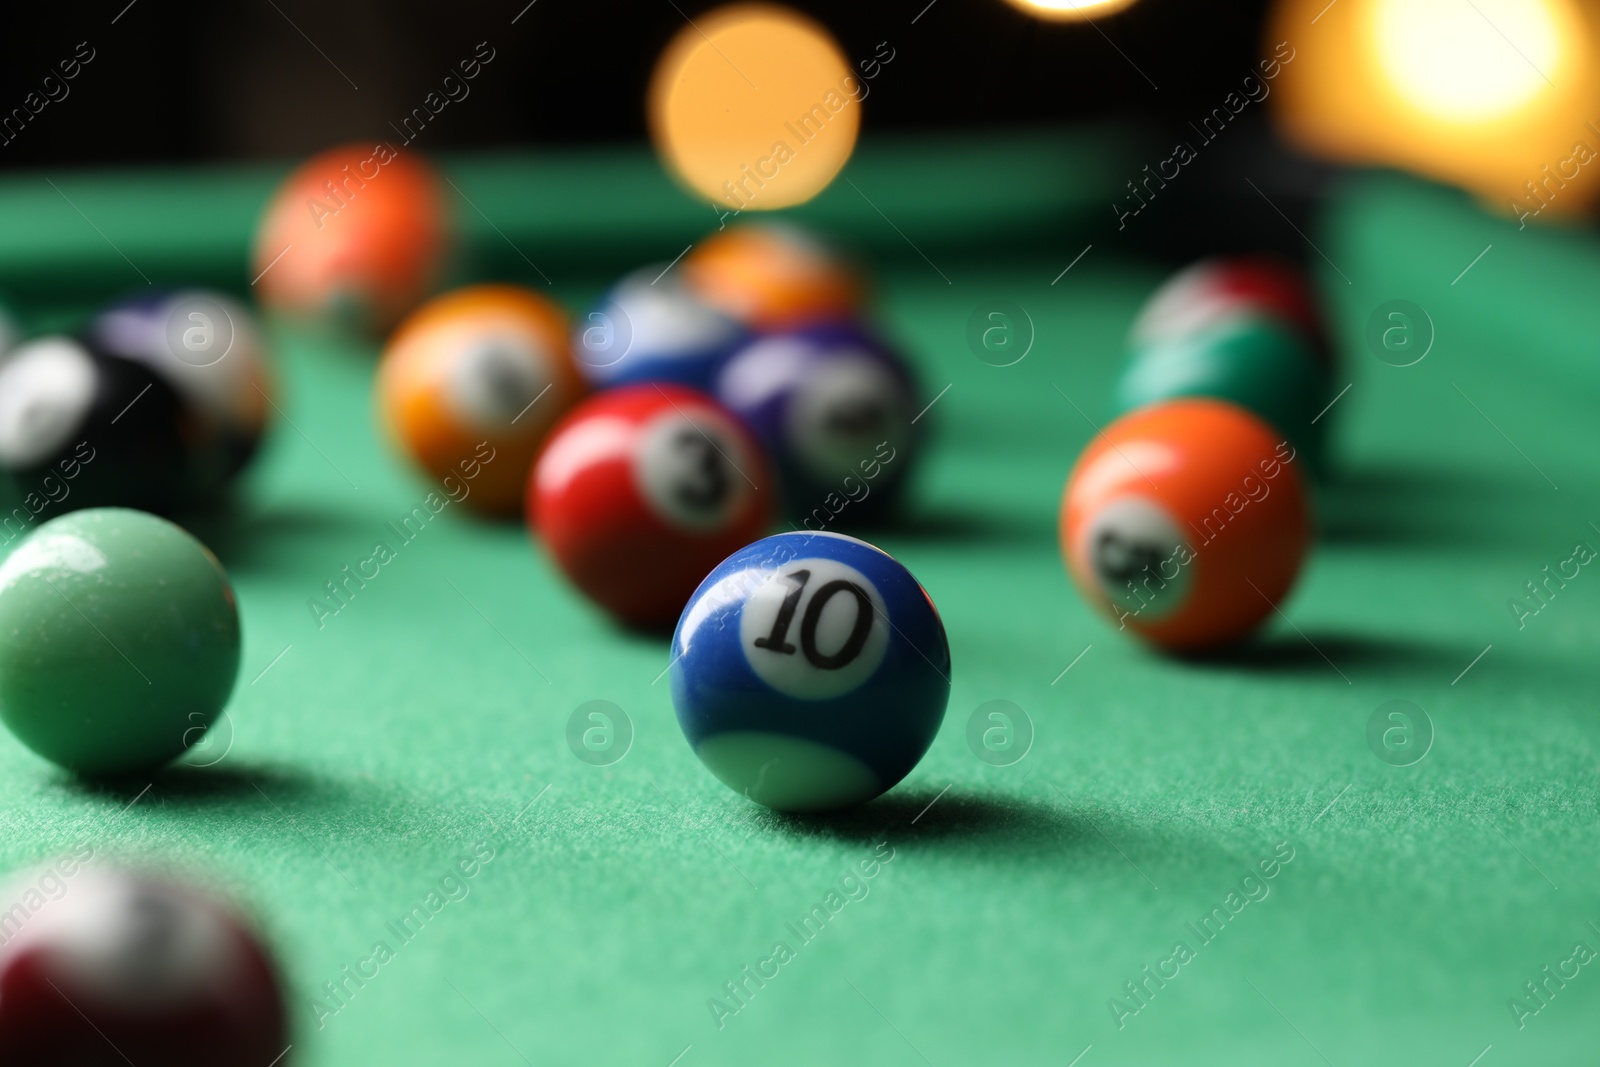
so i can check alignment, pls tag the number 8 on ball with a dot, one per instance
(810, 671)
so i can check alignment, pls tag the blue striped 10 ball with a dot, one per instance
(810, 671)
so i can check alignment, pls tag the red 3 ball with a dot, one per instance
(641, 491)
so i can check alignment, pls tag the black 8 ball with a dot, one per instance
(80, 428)
(210, 349)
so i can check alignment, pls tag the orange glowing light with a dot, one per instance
(755, 107)
(1496, 96)
(1071, 10)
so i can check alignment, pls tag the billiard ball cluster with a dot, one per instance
(810, 670)
(1188, 519)
(651, 443)
(122, 647)
(670, 424)
(826, 396)
(746, 387)
(122, 641)
(157, 402)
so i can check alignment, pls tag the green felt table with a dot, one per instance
(364, 756)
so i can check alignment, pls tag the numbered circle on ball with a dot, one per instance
(1000, 333)
(1139, 557)
(46, 391)
(678, 325)
(138, 942)
(999, 733)
(599, 733)
(496, 381)
(199, 331)
(814, 628)
(1400, 333)
(689, 468)
(1399, 733)
(604, 337)
(842, 412)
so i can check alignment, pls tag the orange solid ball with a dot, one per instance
(772, 277)
(355, 235)
(1186, 522)
(479, 372)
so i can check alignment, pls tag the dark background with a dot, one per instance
(191, 80)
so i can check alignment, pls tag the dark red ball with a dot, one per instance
(110, 967)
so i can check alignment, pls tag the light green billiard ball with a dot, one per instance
(119, 641)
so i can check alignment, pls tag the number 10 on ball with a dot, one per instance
(810, 671)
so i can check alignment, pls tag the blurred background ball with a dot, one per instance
(773, 276)
(354, 236)
(835, 409)
(650, 327)
(82, 428)
(481, 371)
(120, 967)
(209, 348)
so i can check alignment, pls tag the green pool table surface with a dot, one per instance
(1216, 832)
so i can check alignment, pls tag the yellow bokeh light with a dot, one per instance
(1464, 62)
(755, 106)
(1071, 9)
(1499, 97)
